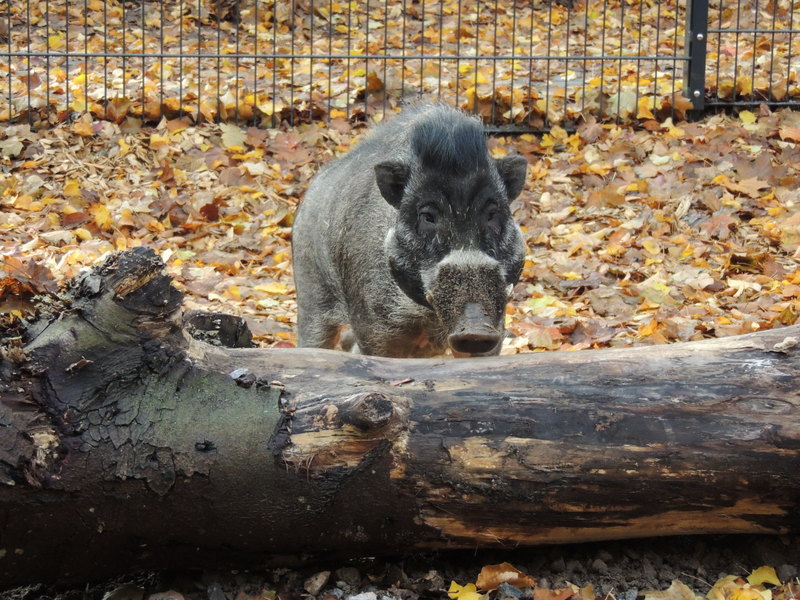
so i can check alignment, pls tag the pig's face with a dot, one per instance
(454, 247)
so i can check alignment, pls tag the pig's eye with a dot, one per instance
(427, 219)
(491, 213)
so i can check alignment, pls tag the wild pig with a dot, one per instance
(409, 240)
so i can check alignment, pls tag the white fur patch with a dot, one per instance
(462, 258)
(388, 239)
(469, 257)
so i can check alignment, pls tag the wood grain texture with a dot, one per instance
(127, 444)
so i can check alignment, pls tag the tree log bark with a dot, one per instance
(127, 444)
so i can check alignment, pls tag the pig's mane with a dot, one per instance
(448, 140)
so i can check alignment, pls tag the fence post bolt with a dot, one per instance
(695, 70)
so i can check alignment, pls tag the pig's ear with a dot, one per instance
(392, 177)
(512, 171)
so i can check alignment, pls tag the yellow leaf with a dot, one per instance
(233, 292)
(72, 188)
(83, 234)
(744, 85)
(724, 586)
(652, 246)
(101, 215)
(648, 329)
(574, 142)
(463, 592)
(558, 133)
(157, 140)
(273, 287)
(480, 78)
(56, 42)
(745, 593)
(83, 128)
(645, 108)
(763, 575)
(747, 117)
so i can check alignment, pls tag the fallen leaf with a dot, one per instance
(747, 117)
(677, 591)
(273, 287)
(233, 137)
(101, 215)
(491, 576)
(789, 133)
(763, 575)
(463, 592)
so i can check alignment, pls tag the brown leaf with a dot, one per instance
(750, 187)
(790, 133)
(547, 594)
(491, 576)
(719, 226)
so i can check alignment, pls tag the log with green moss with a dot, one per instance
(125, 443)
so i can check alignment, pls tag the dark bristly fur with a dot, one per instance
(408, 240)
(448, 142)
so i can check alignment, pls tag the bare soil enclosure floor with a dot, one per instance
(622, 570)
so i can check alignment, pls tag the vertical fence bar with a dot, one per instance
(10, 75)
(385, 56)
(180, 61)
(144, 58)
(290, 24)
(458, 54)
(105, 58)
(493, 118)
(696, 42)
(256, 22)
(422, 51)
(366, 63)
(311, 102)
(28, 77)
(237, 24)
(549, 54)
(441, 51)
(219, 107)
(67, 53)
(199, 61)
(789, 53)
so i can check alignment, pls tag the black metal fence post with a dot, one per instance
(696, 41)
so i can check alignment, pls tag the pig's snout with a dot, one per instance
(474, 332)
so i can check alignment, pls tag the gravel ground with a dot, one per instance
(620, 570)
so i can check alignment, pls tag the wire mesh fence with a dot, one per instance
(519, 64)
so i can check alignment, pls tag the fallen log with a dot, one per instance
(127, 444)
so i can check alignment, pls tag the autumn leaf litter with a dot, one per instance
(669, 232)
